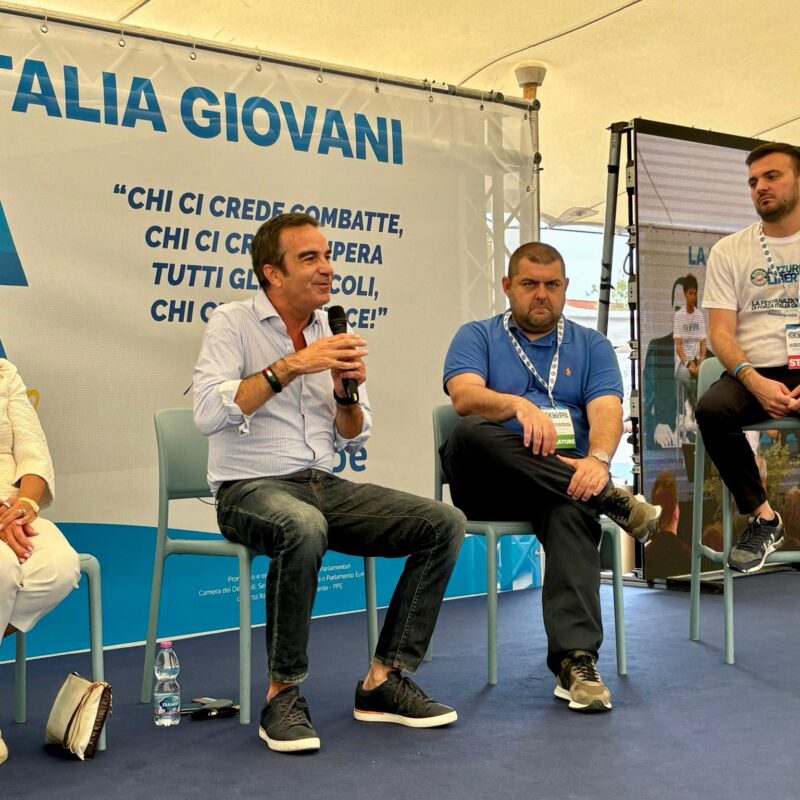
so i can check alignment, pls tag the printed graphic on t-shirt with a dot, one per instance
(779, 277)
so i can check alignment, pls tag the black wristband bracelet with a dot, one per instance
(272, 379)
(344, 401)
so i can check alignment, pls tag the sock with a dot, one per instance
(772, 523)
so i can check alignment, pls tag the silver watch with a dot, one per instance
(602, 457)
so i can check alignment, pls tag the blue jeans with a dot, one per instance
(295, 519)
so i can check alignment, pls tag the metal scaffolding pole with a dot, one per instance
(633, 304)
(123, 30)
(530, 75)
(612, 187)
(536, 205)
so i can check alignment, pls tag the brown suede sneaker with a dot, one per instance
(579, 682)
(633, 514)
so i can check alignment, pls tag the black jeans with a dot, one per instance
(721, 413)
(493, 476)
(295, 518)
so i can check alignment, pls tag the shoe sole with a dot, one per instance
(410, 722)
(756, 567)
(292, 746)
(596, 705)
(651, 526)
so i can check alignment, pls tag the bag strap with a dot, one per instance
(104, 707)
(79, 708)
(77, 712)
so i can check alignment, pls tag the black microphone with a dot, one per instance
(338, 324)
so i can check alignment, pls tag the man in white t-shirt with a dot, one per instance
(751, 293)
(689, 334)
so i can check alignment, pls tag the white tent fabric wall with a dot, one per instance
(720, 64)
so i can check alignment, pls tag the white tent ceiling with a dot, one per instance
(722, 65)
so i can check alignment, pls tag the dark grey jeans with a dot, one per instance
(295, 518)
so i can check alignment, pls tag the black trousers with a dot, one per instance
(493, 476)
(722, 412)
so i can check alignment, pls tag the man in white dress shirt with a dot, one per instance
(269, 393)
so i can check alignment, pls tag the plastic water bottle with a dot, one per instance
(167, 691)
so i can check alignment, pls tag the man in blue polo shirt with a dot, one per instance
(541, 399)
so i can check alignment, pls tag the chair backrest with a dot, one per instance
(182, 455)
(444, 420)
(710, 370)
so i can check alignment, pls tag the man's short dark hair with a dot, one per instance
(538, 253)
(775, 147)
(689, 282)
(266, 247)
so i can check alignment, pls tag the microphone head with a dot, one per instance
(337, 319)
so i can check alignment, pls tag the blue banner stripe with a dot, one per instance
(11, 272)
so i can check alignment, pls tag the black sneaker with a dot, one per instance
(633, 514)
(579, 682)
(286, 723)
(400, 700)
(757, 541)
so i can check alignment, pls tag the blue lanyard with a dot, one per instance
(548, 387)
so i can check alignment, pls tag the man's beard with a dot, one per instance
(530, 326)
(783, 209)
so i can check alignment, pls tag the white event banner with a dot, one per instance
(132, 179)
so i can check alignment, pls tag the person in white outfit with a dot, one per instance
(38, 568)
(689, 333)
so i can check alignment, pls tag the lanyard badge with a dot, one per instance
(793, 345)
(559, 415)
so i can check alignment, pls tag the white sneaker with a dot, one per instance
(3, 749)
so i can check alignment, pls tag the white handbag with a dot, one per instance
(78, 715)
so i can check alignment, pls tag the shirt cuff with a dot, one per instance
(45, 474)
(358, 441)
(235, 416)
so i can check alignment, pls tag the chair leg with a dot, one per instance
(20, 681)
(245, 637)
(505, 575)
(371, 592)
(619, 605)
(697, 533)
(727, 576)
(90, 567)
(429, 652)
(491, 602)
(152, 625)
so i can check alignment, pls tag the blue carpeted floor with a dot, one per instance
(683, 725)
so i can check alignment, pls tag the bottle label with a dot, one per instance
(169, 704)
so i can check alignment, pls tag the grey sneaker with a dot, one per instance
(632, 513)
(286, 723)
(579, 682)
(400, 700)
(3, 749)
(757, 541)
